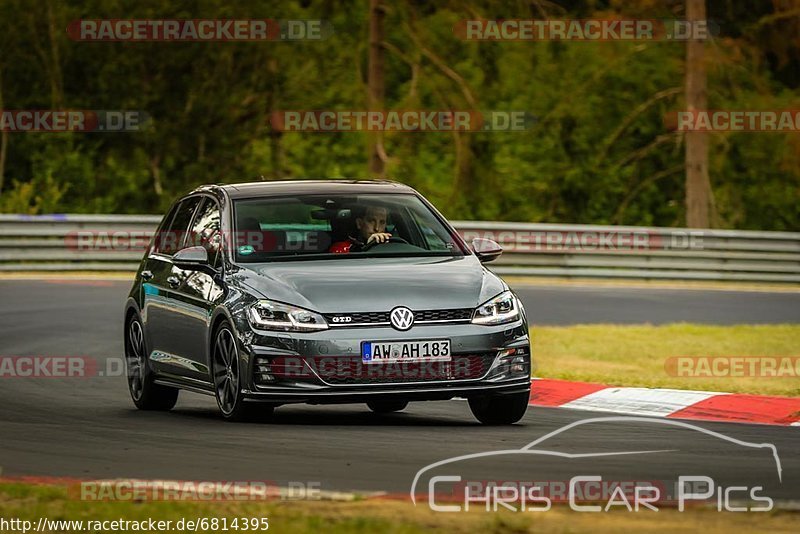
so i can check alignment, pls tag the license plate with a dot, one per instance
(402, 351)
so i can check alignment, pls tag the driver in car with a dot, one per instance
(371, 226)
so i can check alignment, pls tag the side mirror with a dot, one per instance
(486, 249)
(192, 259)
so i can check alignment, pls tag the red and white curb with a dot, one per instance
(672, 403)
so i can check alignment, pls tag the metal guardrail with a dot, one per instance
(571, 250)
(52, 243)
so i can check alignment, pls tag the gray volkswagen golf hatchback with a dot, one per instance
(321, 292)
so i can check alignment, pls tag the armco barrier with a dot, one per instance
(47, 243)
(44, 242)
(572, 250)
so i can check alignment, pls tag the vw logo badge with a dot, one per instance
(401, 318)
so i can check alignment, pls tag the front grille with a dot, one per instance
(362, 318)
(349, 370)
(458, 314)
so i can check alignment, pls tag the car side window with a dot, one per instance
(163, 228)
(170, 241)
(205, 232)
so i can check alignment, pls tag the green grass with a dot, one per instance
(637, 355)
(30, 502)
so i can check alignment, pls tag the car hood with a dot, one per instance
(375, 284)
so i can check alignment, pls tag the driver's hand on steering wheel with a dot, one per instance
(380, 237)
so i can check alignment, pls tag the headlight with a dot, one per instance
(501, 309)
(270, 315)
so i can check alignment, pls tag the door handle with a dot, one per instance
(147, 276)
(173, 281)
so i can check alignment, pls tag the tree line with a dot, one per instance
(599, 150)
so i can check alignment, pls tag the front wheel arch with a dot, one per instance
(220, 316)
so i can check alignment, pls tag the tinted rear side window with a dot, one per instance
(158, 242)
(170, 241)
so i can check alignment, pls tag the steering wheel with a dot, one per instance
(392, 239)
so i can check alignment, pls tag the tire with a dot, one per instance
(387, 406)
(146, 394)
(499, 409)
(228, 379)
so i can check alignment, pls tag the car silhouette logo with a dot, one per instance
(401, 318)
(533, 449)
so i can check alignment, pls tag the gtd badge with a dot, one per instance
(401, 318)
(343, 319)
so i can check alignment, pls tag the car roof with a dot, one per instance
(323, 187)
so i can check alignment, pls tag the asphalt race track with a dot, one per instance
(88, 427)
(618, 305)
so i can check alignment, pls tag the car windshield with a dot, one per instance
(332, 226)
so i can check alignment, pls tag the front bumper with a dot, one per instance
(487, 352)
(433, 391)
